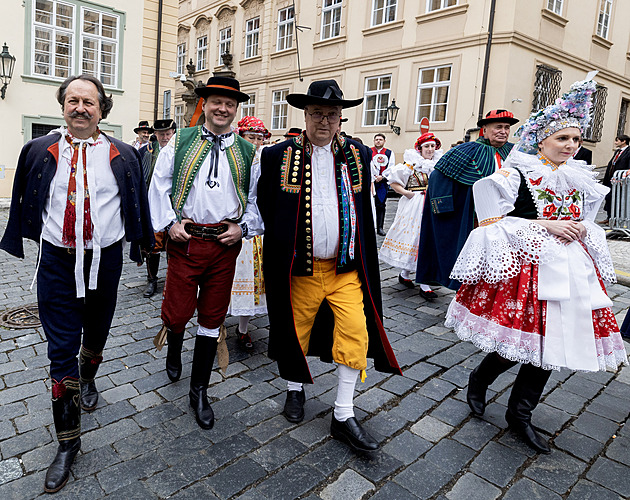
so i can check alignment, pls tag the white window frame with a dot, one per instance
(100, 39)
(434, 86)
(603, 19)
(179, 116)
(285, 29)
(55, 31)
(381, 95)
(181, 58)
(279, 109)
(202, 52)
(225, 42)
(331, 19)
(252, 36)
(248, 108)
(384, 9)
(443, 4)
(555, 6)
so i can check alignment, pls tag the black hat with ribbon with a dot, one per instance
(143, 125)
(167, 124)
(498, 115)
(322, 92)
(222, 85)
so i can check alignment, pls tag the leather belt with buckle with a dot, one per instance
(209, 233)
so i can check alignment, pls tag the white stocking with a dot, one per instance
(243, 321)
(294, 386)
(405, 274)
(344, 409)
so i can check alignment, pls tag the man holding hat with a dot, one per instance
(447, 224)
(163, 130)
(203, 191)
(320, 263)
(144, 133)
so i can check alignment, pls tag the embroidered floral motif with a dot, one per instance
(558, 206)
(287, 183)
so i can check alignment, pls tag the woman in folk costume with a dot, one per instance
(410, 179)
(248, 289)
(533, 272)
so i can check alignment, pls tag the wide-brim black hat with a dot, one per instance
(293, 132)
(498, 115)
(322, 92)
(164, 125)
(222, 85)
(143, 125)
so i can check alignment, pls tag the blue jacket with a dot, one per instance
(36, 168)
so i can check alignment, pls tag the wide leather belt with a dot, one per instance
(418, 188)
(210, 233)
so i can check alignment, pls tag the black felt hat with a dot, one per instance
(164, 125)
(323, 92)
(498, 115)
(293, 132)
(222, 85)
(143, 125)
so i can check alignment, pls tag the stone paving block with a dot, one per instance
(257, 375)
(24, 488)
(586, 490)
(423, 478)
(471, 487)
(224, 428)
(582, 387)
(227, 388)
(451, 411)
(33, 420)
(408, 358)
(610, 407)
(144, 401)
(619, 450)
(566, 401)
(108, 434)
(412, 407)
(349, 486)
(228, 449)
(22, 354)
(142, 442)
(119, 393)
(10, 470)
(557, 471)
(328, 457)
(21, 392)
(259, 412)
(152, 382)
(128, 375)
(269, 429)
(25, 442)
(278, 452)
(385, 424)
(228, 406)
(398, 385)
(12, 410)
(431, 429)
(525, 488)
(373, 399)
(291, 482)
(110, 413)
(166, 482)
(258, 392)
(157, 415)
(407, 447)
(312, 432)
(236, 477)
(450, 455)
(497, 463)
(136, 491)
(391, 490)
(25, 376)
(322, 384)
(476, 433)
(594, 426)
(611, 475)
(130, 471)
(436, 389)
(139, 359)
(40, 458)
(85, 489)
(87, 464)
(578, 445)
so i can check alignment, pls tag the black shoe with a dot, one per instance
(429, 295)
(151, 289)
(89, 396)
(352, 433)
(244, 341)
(294, 406)
(527, 433)
(174, 343)
(201, 406)
(59, 470)
(380, 232)
(405, 281)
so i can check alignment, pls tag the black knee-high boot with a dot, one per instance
(153, 265)
(67, 418)
(481, 377)
(528, 388)
(203, 359)
(88, 366)
(174, 343)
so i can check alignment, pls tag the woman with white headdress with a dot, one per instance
(533, 272)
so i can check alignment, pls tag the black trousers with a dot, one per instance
(66, 318)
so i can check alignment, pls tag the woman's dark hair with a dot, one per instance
(623, 138)
(106, 103)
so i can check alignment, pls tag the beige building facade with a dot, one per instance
(53, 39)
(428, 55)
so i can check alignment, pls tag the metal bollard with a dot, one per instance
(620, 204)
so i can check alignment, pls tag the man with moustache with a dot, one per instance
(449, 211)
(78, 193)
(203, 192)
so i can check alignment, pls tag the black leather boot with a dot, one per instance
(203, 359)
(88, 366)
(528, 388)
(153, 264)
(174, 343)
(380, 221)
(67, 418)
(481, 377)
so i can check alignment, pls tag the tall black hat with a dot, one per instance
(323, 92)
(222, 85)
(164, 125)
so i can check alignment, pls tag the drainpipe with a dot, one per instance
(156, 96)
(486, 63)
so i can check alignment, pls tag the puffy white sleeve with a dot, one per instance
(162, 213)
(496, 194)
(398, 174)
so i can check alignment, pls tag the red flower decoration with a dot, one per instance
(549, 210)
(536, 182)
(575, 211)
(58, 390)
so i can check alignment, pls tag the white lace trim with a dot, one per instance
(597, 246)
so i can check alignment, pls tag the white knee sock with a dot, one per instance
(243, 321)
(405, 274)
(208, 332)
(425, 288)
(344, 409)
(294, 386)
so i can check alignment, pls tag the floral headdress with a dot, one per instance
(253, 125)
(573, 109)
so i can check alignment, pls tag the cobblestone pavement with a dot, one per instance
(142, 441)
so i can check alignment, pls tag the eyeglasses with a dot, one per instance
(317, 117)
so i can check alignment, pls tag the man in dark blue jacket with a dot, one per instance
(78, 193)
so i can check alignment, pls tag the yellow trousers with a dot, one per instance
(345, 297)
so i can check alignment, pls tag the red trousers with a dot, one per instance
(199, 276)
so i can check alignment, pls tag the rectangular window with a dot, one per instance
(99, 44)
(603, 21)
(285, 29)
(248, 108)
(166, 109)
(179, 116)
(181, 58)
(555, 6)
(202, 52)
(546, 86)
(53, 39)
(279, 109)
(331, 19)
(383, 11)
(225, 42)
(439, 4)
(252, 32)
(593, 132)
(376, 100)
(623, 117)
(434, 86)
(41, 129)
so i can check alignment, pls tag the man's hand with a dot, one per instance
(232, 235)
(177, 232)
(378, 178)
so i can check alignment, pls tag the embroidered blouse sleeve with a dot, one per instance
(495, 195)
(398, 174)
(162, 213)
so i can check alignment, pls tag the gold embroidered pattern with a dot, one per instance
(289, 182)
(489, 220)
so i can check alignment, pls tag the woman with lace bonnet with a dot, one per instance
(533, 272)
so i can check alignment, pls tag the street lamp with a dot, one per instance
(7, 62)
(392, 114)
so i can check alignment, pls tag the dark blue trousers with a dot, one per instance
(65, 317)
(625, 327)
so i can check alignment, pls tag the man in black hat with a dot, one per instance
(203, 191)
(163, 130)
(292, 132)
(446, 226)
(144, 131)
(320, 264)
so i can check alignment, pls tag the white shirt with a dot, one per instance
(325, 211)
(375, 165)
(204, 205)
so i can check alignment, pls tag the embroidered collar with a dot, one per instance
(546, 161)
(90, 140)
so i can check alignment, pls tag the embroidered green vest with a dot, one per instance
(191, 150)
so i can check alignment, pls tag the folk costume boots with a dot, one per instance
(67, 418)
(174, 343)
(481, 377)
(153, 265)
(380, 220)
(203, 359)
(88, 366)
